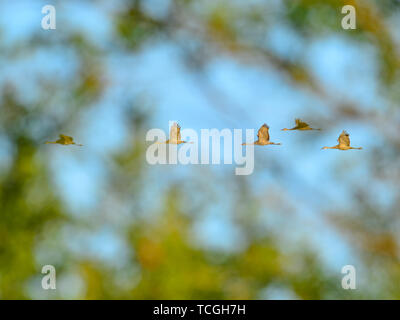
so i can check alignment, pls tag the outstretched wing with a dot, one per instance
(301, 124)
(175, 133)
(66, 139)
(344, 139)
(263, 133)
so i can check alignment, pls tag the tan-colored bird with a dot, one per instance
(263, 137)
(175, 135)
(64, 140)
(344, 142)
(300, 125)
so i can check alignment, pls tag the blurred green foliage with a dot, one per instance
(163, 261)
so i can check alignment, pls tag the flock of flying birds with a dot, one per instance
(262, 135)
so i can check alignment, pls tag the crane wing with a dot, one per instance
(66, 139)
(344, 139)
(301, 124)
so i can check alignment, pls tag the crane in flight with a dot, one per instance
(175, 135)
(64, 140)
(300, 125)
(344, 142)
(263, 137)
